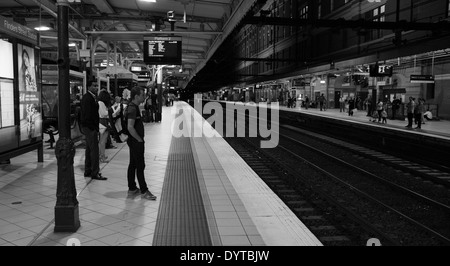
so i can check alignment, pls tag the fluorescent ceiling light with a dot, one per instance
(72, 44)
(150, 1)
(42, 28)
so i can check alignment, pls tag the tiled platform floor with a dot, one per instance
(240, 209)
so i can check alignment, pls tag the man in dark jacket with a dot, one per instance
(90, 128)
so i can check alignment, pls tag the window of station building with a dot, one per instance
(377, 15)
(303, 14)
(448, 8)
(319, 9)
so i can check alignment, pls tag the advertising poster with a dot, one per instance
(30, 111)
(8, 138)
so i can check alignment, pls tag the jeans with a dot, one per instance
(102, 143)
(91, 160)
(136, 166)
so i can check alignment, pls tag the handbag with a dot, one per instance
(101, 128)
(104, 121)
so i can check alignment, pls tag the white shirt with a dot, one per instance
(102, 110)
(116, 109)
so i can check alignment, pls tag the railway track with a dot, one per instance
(334, 224)
(410, 198)
(347, 194)
(429, 171)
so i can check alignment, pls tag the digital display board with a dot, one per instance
(163, 50)
(381, 70)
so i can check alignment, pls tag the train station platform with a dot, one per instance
(207, 196)
(434, 128)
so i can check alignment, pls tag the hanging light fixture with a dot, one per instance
(44, 26)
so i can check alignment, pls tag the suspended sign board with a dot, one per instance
(422, 79)
(162, 50)
(380, 70)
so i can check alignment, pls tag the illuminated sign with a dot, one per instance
(380, 70)
(162, 50)
(422, 79)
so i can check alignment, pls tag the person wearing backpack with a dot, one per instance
(135, 128)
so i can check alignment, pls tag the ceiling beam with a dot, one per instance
(103, 6)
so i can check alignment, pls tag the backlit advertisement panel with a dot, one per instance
(29, 95)
(8, 138)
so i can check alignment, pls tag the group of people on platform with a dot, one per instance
(416, 110)
(102, 115)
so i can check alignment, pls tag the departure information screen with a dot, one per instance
(162, 50)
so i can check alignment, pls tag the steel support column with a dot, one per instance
(66, 209)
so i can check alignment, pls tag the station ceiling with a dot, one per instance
(121, 24)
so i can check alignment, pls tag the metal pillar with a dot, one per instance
(159, 86)
(159, 80)
(66, 209)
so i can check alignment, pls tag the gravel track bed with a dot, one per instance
(391, 223)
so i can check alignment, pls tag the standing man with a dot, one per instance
(90, 128)
(395, 106)
(410, 108)
(136, 144)
(322, 102)
(342, 104)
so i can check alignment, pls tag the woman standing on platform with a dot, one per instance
(380, 109)
(104, 101)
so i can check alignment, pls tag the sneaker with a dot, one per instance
(103, 159)
(148, 195)
(134, 192)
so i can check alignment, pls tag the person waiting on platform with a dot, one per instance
(369, 105)
(342, 104)
(395, 106)
(104, 101)
(351, 106)
(136, 145)
(384, 116)
(428, 115)
(374, 117)
(380, 108)
(322, 102)
(306, 102)
(410, 109)
(418, 113)
(90, 127)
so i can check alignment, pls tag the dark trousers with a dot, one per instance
(394, 112)
(418, 118)
(410, 119)
(91, 160)
(379, 115)
(136, 166)
(369, 110)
